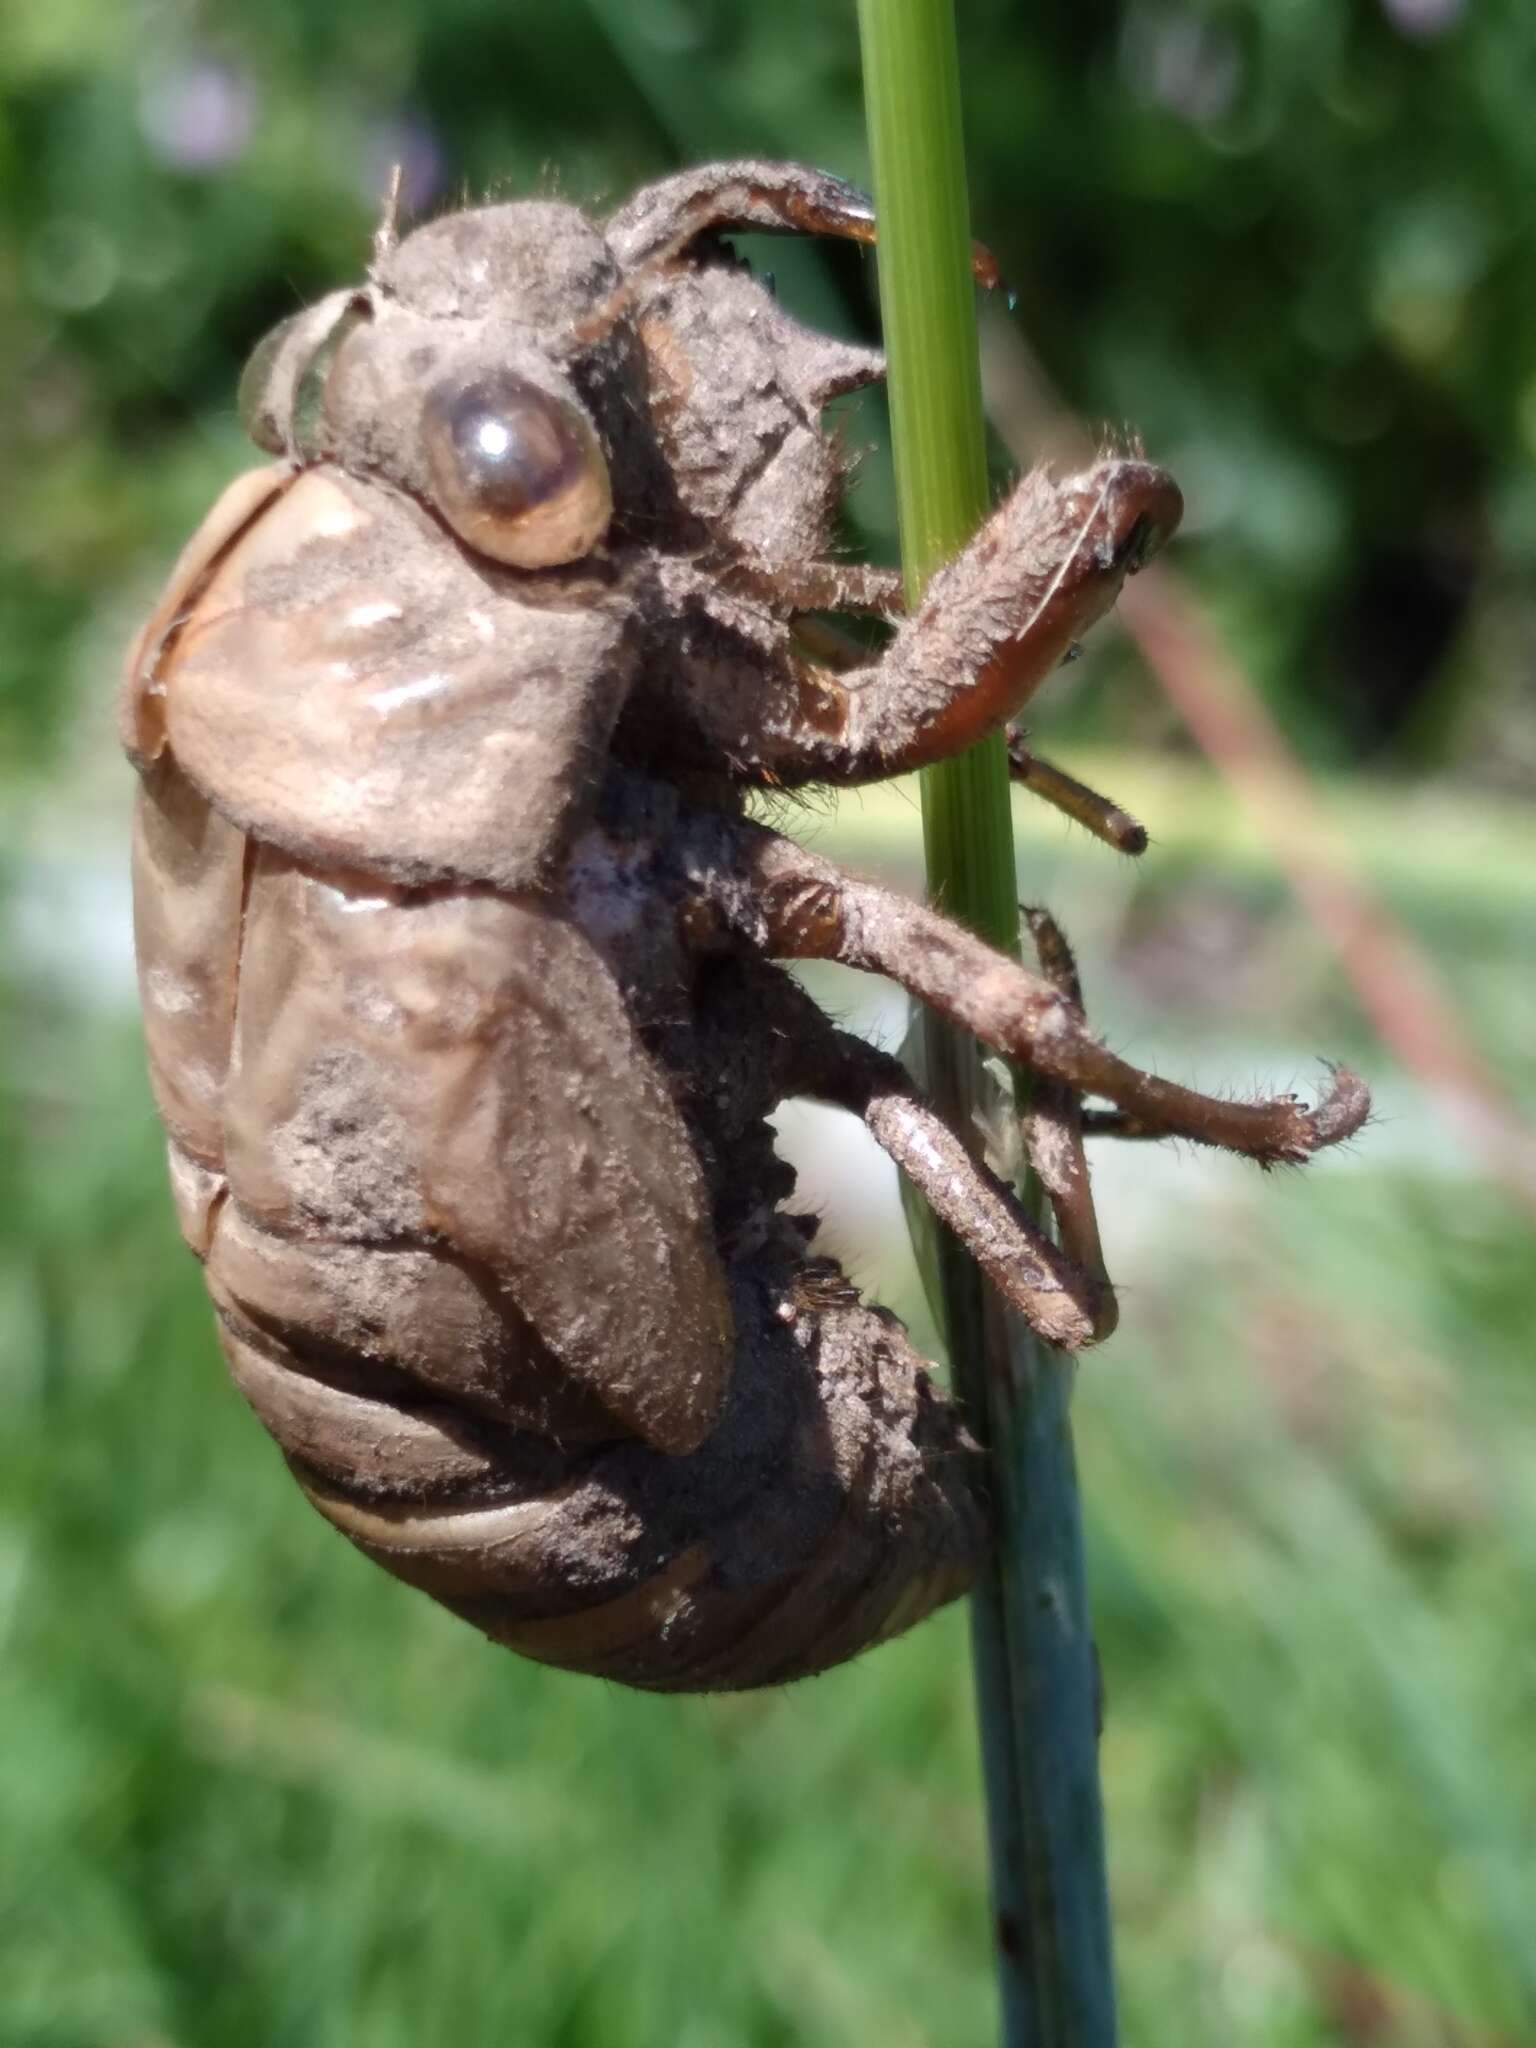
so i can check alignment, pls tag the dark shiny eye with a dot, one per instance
(308, 429)
(515, 471)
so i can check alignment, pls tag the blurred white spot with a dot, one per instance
(1193, 67)
(196, 114)
(1423, 19)
(410, 693)
(71, 265)
(374, 613)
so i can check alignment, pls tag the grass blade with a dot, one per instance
(1032, 1646)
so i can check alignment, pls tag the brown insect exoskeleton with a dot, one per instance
(456, 946)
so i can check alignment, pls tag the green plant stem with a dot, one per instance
(1032, 1646)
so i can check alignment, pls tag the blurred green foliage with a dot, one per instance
(1293, 245)
(251, 1791)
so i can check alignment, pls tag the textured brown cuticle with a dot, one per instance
(457, 949)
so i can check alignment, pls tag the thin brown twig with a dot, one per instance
(1368, 2007)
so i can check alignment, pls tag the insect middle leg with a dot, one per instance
(792, 904)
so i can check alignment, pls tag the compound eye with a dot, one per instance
(254, 401)
(515, 471)
(282, 388)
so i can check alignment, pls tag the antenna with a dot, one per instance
(387, 233)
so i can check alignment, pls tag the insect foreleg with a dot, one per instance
(820, 586)
(992, 625)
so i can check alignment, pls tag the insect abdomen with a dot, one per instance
(825, 1505)
(830, 1508)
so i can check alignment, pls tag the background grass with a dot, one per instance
(253, 1792)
